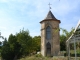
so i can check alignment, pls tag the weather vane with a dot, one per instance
(49, 6)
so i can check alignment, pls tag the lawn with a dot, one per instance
(44, 58)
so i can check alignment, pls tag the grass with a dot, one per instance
(39, 57)
(48, 58)
(44, 58)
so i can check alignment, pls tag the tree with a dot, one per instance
(14, 46)
(19, 45)
(37, 43)
(5, 42)
(62, 42)
(5, 53)
(24, 40)
(64, 37)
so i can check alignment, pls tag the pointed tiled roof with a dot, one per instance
(50, 15)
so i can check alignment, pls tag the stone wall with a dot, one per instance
(54, 41)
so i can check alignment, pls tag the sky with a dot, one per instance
(19, 14)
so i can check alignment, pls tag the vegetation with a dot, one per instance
(22, 44)
(43, 58)
(64, 37)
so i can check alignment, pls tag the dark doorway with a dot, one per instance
(48, 49)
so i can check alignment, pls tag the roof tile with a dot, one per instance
(50, 15)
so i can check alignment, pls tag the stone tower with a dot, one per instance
(50, 44)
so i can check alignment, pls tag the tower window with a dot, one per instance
(48, 33)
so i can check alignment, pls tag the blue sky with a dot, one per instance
(16, 14)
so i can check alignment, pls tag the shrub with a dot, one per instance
(38, 55)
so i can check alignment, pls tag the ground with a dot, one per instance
(48, 58)
(44, 58)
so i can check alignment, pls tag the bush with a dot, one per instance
(65, 54)
(38, 55)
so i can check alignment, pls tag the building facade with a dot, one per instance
(50, 44)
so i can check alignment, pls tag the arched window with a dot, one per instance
(48, 33)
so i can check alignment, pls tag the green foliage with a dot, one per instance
(20, 45)
(14, 45)
(38, 55)
(0, 47)
(37, 43)
(6, 53)
(64, 37)
(62, 42)
(4, 42)
(24, 40)
(44, 58)
(0, 43)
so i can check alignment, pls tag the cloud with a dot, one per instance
(65, 6)
(16, 14)
(4, 1)
(4, 28)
